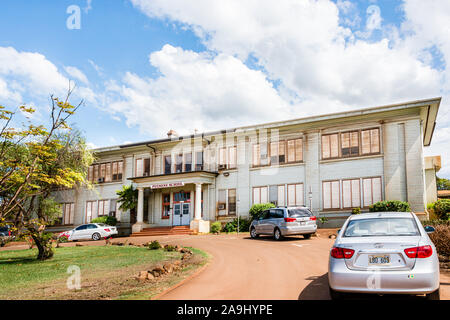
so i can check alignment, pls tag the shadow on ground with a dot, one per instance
(270, 238)
(318, 290)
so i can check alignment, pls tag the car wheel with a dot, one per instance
(277, 234)
(96, 236)
(307, 236)
(436, 295)
(253, 233)
(335, 295)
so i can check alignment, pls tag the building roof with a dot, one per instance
(428, 113)
(433, 162)
(443, 193)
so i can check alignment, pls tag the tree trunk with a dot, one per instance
(44, 247)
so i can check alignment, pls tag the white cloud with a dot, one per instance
(195, 90)
(373, 18)
(77, 74)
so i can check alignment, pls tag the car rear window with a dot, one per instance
(382, 227)
(299, 212)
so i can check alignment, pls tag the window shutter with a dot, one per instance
(256, 196)
(367, 189)
(325, 147)
(298, 150)
(347, 193)
(326, 195)
(299, 195)
(256, 155)
(264, 195)
(282, 152)
(334, 146)
(376, 189)
(101, 208)
(356, 194)
(281, 195)
(274, 159)
(335, 201)
(106, 208)
(72, 213)
(365, 139)
(108, 172)
(232, 159)
(375, 140)
(291, 151)
(291, 195)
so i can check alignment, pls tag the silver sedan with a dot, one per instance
(384, 253)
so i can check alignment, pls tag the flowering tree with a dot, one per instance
(35, 161)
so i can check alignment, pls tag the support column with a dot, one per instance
(198, 224)
(137, 227)
(198, 202)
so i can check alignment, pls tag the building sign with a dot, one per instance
(167, 185)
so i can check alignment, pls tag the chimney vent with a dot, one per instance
(172, 134)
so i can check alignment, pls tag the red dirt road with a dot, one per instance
(242, 268)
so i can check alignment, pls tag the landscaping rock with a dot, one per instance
(332, 236)
(150, 276)
(79, 245)
(168, 267)
(185, 256)
(184, 250)
(143, 276)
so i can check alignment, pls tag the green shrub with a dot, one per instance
(356, 211)
(436, 222)
(257, 209)
(442, 209)
(110, 221)
(390, 205)
(441, 239)
(169, 247)
(154, 245)
(216, 226)
(244, 225)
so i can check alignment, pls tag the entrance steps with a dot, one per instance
(163, 231)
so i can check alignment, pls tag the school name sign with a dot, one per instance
(167, 185)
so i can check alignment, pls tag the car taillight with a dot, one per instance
(313, 218)
(419, 252)
(341, 253)
(107, 230)
(290, 219)
(9, 233)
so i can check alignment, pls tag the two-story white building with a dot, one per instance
(330, 163)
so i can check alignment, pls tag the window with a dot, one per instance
(232, 201)
(182, 196)
(222, 208)
(349, 144)
(143, 167)
(222, 158)
(278, 152)
(113, 209)
(260, 195)
(295, 150)
(103, 208)
(68, 211)
(370, 141)
(276, 213)
(165, 206)
(188, 162)
(331, 195)
(179, 163)
(295, 194)
(351, 193)
(105, 172)
(371, 190)
(330, 146)
(199, 161)
(167, 164)
(256, 155)
(91, 211)
(227, 158)
(383, 227)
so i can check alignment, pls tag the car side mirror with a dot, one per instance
(338, 231)
(429, 229)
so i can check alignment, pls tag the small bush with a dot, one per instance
(244, 225)
(216, 226)
(390, 205)
(169, 247)
(257, 209)
(442, 209)
(441, 239)
(436, 222)
(63, 239)
(356, 211)
(110, 221)
(154, 245)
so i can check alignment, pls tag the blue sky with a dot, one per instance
(147, 66)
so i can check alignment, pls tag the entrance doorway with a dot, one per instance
(181, 214)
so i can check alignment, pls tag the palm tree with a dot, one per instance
(128, 198)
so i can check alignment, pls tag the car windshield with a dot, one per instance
(299, 212)
(102, 225)
(381, 227)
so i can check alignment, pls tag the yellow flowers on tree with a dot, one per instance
(35, 161)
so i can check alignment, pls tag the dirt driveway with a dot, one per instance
(243, 268)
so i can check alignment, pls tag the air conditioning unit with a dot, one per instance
(222, 166)
(222, 206)
(101, 180)
(145, 174)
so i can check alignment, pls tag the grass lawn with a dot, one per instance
(106, 272)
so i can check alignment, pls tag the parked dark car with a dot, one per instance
(5, 235)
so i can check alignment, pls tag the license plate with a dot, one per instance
(302, 223)
(379, 260)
